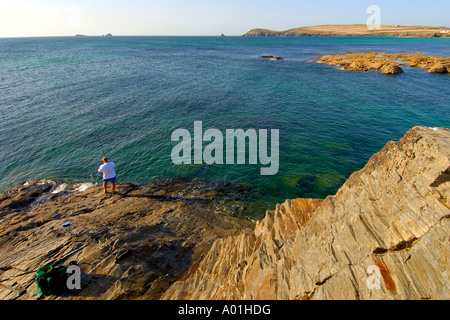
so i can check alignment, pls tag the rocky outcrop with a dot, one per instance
(386, 63)
(384, 235)
(131, 245)
(271, 58)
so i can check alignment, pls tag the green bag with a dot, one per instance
(51, 280)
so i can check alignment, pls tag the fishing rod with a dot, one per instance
(101, 144)
(104, 153)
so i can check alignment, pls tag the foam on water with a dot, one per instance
(81, 187)
(61, 188)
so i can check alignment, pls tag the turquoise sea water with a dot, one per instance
(63, 99)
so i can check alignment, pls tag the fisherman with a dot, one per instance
(109, 175)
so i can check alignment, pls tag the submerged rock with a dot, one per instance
(306, 184)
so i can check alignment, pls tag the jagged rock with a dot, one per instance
(384, 235)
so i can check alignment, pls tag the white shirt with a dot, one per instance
(108, 170)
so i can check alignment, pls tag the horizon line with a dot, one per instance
(205, 35)
(119, 35)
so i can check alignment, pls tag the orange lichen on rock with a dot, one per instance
(386, 274)
(386, 63)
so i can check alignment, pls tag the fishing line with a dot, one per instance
(101, 144)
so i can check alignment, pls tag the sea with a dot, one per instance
(67, 101)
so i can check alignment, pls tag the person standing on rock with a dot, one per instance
(109, 175)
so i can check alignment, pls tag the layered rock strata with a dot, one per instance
(384, 235)
(131, 245)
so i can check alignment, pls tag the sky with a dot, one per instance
(28, 18)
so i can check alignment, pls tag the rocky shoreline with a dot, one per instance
(130, 245)
(384, 235)
(386, 63)
(168, 240)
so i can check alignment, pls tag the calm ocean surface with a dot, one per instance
(62, 99)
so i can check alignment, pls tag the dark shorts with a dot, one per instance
(110, 180)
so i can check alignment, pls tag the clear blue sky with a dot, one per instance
(202, 17)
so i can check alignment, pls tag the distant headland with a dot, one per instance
(83, 35)
(331, 30)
